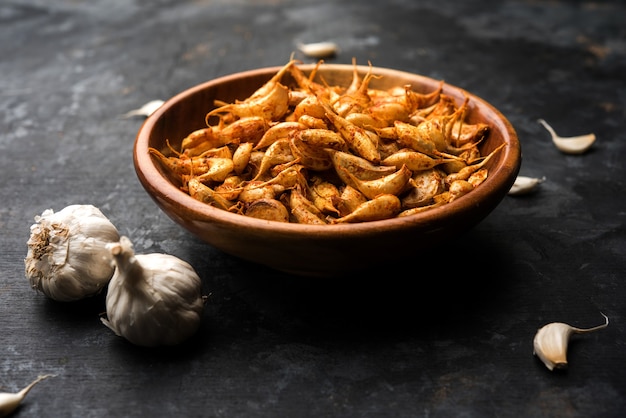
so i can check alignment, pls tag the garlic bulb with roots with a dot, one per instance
(67, 258)
(153, 299)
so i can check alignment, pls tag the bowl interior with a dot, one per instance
(230, 232)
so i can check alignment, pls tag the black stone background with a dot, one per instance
(448, 334)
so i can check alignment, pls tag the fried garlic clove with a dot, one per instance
(281, 130)
(414, 160)
(205, 194)
(478, 177)
(360, 168)
(311, 157)
(423, 187)
(303, 210)
(363, 142)
(457, 189)
(570, 145)
(251, 128)
(241, 157)
(324, 194)
(271, 106)
(321, 139)
(349, 199)
(218, 169)
(393, 183)
(383, 206)
(268, 209)
(277, 153)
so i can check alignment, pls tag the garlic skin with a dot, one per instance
(67, 259)
(152, 299)
(551, 342)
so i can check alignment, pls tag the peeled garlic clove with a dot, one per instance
(572, 144)
(525, 185)
(551, 341)
(319, 49)
(152, 299)
(67, 259)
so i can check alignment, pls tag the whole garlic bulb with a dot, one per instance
(67, 258)
(152, 299)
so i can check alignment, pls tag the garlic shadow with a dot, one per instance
(180, 354)
(79, 311)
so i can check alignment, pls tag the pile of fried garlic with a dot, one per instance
(320, 154)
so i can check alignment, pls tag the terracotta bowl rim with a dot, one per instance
(160, 188)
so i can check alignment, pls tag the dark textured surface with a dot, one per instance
(449, 336)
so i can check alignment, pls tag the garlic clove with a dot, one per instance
(145, 110)
(67, 259)
(10, 401)
(152, 299)
(524, 185)
(551, 342)
(570, 145)
(319, 49)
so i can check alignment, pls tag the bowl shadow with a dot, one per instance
(443, 289)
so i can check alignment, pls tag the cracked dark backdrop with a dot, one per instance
(451, 336)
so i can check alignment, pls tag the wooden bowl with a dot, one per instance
(319, 250)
